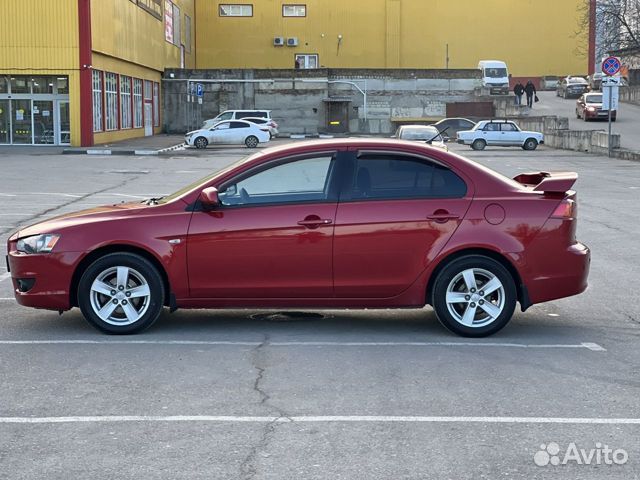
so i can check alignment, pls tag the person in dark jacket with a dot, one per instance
(518, 90)
(530, 90)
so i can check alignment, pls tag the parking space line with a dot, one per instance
(586, 345)
(320, 419)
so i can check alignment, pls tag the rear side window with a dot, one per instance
(508, 127)
(238, 125)
(251, 114)
(379, 177)
(492, 127)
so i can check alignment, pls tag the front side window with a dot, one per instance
(96, 82)
(294, 10)
(379, 177)
(304, 180)
(492, 127)
(225, 116)
(235, 10)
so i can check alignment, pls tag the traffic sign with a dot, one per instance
(199, 90)
(610, 93)
(611, 66)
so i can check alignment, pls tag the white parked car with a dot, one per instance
(266, 124)
(236, 115)
(421, 133)
(501, 133)
(230, 132)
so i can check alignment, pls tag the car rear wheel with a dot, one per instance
(201, 142)
(474, 296)
(121, 293)
(530, 144)
(251, 142)
(478, 144)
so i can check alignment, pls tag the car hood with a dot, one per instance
(98, 214)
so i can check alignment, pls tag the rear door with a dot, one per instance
(396, 212)
(238, 132)
(510, 135)
(491, 133)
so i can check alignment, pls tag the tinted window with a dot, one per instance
(594, 98)
(251, 114)
(298, 181)
(384, 177)
(225, 116)
(259, 121)
(508, 127)
(238, 125)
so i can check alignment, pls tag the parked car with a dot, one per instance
(572, 87)
(500, 133)
(595, 81)
(351, 223)
(234, 132)
(589, 107)
(236, 115)
(265, 124)
(421, 133)
(449, 127)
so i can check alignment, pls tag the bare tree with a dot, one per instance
(616, 23)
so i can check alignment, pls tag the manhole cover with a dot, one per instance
(287, 316)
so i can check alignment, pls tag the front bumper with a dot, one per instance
(51, 274)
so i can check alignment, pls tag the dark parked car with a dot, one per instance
(595, 81)
(451, 126)
(572, 87)
(352, 223)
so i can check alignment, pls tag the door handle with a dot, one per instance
(442, 217)
(313, 221)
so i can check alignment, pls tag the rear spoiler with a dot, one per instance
(548, 182)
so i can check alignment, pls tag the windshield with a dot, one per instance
(593, 98)
(494, 72)
(206, 179)
(426, 133)
(577, 80)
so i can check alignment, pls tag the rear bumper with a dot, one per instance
(51, 274)
(564, 276)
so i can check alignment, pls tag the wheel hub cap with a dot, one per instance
(120, 295)
(475, 297)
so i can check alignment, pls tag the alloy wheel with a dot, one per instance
(475, 297)
(120, 295)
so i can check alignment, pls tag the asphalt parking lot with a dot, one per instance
(349, 395)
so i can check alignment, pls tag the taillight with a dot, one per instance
(273, 124)
(566, 209)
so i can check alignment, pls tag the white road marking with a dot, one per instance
(321, 419)
(589, 346)
(5, 276)
(6, 299)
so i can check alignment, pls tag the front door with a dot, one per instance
(148, 119)
(338, 117)
(271, 236)
(395, 217)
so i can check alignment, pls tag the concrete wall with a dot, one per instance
(630, 95)
(299, 98)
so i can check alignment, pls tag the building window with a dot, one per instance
(187, 33)
(305, 61)
(177, 37)
(154, 7)
(294, 10)
(168, 21)
(137, 103)
(156, 104)
(235, 10)
(125, 102)
(96, 77)
(111, 101)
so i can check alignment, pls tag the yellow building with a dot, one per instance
(84, 72)
(534, 37)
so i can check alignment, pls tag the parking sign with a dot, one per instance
(611, 66)
(199, 90)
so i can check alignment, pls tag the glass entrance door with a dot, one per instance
(43, 132)
(22, 126)
(64, 124)
(5, 121)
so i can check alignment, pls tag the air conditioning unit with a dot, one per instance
(292, 42)
(278, 41)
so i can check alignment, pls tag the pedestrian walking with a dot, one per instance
(518, 90)
(530, 90)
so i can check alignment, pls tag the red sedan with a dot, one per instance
(589, 107)
(325, 224)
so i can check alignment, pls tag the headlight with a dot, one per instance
(38, 243)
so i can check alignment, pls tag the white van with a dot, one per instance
(237, 115)
(495, 76)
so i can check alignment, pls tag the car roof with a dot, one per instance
(241, 111)
(423, 127)
(454, 118)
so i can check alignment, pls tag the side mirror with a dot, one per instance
(209, 197)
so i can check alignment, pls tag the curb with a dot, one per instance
(108, 151)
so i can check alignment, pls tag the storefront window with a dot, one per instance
(4, 87)
(111, 100)
(21, 116)
(97, 100)
(20, 85)
(5, 119)
(63, 85)
(41, 84)
(125, 102)
(137, 103)
(156, 104)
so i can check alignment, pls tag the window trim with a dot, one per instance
(100, 93)
(294, 5)
(125, 100)
(108, 78)
(233, 5)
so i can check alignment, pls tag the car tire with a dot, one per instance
(251, 141)
(201, 143)
(458, 305)
(479, 144)
(530, 144)
(578, 114)
(126, 308)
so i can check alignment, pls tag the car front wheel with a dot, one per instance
(201, 142)
(478, 144)
(474, 296)
(121, 293)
